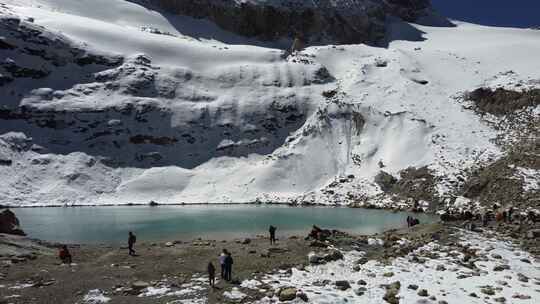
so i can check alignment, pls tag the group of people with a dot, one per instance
(225, 258)
(411, 221)
(225, 262)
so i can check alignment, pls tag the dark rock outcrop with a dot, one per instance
(501, 101)
(9, 223)
(314, 22)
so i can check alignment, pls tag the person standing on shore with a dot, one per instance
(228, 266)
(272, 231)
(131, 241)
(211, 274)
(222, 257)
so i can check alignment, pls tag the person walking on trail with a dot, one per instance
(222, 257)
(211, 274)
(272, 231)
(228, 266)
(65, 255)
(132, 239)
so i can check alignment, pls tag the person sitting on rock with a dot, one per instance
(64, 255)
(211, 274)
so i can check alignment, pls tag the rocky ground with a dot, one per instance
(438, 263)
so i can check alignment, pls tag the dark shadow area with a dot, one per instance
(146, 137)
(323, 28)
(397, 29)
(517, 13)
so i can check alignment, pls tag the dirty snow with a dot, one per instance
(454, 284)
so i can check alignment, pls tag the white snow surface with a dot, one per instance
(453, 284)
(226, 96)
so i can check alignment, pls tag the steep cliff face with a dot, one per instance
(319, 21)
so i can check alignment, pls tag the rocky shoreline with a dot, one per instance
(496, 262)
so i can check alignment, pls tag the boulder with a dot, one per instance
(302, 296)
(314, 258)
(287, 294)
(334, 255)
(343, 285)
(385, 180)
(139, 285)
(9, 223)
(423, 293)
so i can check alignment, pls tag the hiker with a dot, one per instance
(64, 255)
(131, 241)
(228, 266)
(211, 274)
(414, 222)
(221, 258)
(510, 213)
(272, 231)
(485, 217)
(409, 221)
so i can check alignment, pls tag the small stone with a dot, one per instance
(169, 244)
(501, 267)
(500, 300)
(496, 256)
(361, 282)
(474, 295)
(139, 285)
(343, 285)
(302, 296)
(488, 290)
(522, 278)
(521, 296)
(413, 287)
(287, 294)
(388, 274)
(440, 268)
(423, 293)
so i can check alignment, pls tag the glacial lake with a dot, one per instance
(110, 225)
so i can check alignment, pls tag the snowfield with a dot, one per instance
(138, 111)
(441, 272)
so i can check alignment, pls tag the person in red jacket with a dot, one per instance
(64, 255)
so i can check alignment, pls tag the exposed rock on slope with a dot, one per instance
(319, 21)
(9, 223)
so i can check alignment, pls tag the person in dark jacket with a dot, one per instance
(272, 231)
(132, 239)
(228, 266)
(211, 274)
(221, 258)
(65, 255)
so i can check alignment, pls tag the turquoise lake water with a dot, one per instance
(110, 225)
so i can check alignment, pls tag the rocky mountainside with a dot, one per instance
(119, 102)
(315, 22)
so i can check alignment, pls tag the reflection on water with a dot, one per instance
(110, 225)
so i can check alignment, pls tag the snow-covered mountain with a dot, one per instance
(116, 102)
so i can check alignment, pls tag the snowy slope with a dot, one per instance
(183, 120)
